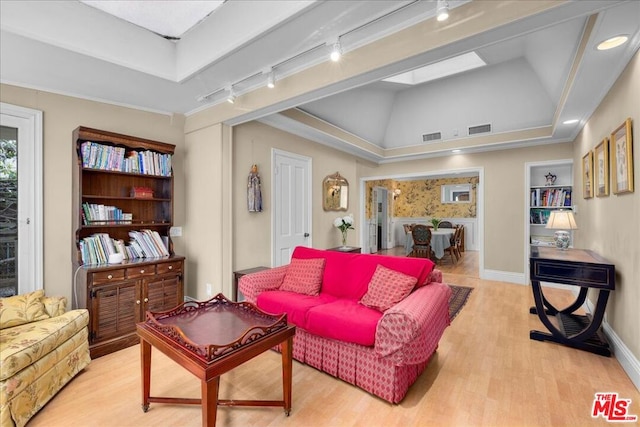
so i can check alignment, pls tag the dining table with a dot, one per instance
(440, 240)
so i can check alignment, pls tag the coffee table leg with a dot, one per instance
(145, 357)
(287, 367)
(210, 402)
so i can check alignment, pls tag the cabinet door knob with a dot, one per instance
(171, 267)
(138, 302)
(141, 271)
(146, 300)
(110, 277)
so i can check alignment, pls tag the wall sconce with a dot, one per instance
(396, 193)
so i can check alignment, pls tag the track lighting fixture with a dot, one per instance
(336, 52)
(232, 96)
(442, 10)
(271, 79)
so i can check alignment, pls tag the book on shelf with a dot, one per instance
(95, 249)
(551, 197)
(112, 158)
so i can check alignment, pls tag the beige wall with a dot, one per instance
(252, 144)
(504, 194)
(61, 115)
(610, 225)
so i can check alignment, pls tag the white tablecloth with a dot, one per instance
(440, 240)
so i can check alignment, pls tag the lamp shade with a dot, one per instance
(562, 220)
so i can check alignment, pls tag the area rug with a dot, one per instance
(459, 297)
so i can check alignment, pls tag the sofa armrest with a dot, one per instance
(55, 306)
(252, 285)
(434, 277)
(408, 333)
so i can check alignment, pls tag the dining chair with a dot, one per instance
(454, 249)
(445, 224)
(421, 235)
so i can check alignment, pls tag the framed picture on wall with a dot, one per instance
(622, 158)
(601, 168)
(587, 175)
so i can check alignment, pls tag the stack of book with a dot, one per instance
(112, 158)
(96, 249)
(93, 213)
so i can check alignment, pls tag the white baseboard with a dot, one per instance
(629, 362)
(502, 276)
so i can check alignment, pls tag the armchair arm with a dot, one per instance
(408, 333)
(55, 306)
(252, 285)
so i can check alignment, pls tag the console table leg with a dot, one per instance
(210, 402)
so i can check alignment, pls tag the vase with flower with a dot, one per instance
(344, 224)
(436, 223)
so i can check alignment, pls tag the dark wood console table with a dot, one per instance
(238, 274)
(578, 267)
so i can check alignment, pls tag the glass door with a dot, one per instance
(21, 240)
(8, 211)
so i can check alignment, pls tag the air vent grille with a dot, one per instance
(428, 137)
(473, 130)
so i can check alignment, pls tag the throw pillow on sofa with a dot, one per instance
(20, 309)
(304, 276)
(387, 288)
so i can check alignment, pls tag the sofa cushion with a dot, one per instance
(22, 345)
(344, 320)
(347, 275)
(294, 304)
(387, 288)
(20, 309)
(304, 276)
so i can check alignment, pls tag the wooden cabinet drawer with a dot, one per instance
(107, 276)
(141, 271)
(169, 267)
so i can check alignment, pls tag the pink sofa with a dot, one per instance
(380, 352)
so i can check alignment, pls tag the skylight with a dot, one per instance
(448, 67)
(169, 19)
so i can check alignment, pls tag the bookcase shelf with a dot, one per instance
(118, 295)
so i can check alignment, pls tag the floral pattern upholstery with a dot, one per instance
(38, 358)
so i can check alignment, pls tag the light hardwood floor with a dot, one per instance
(486, 372)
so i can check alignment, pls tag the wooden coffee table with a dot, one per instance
(210, 338)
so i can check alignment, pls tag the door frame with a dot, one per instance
(274, 214)
(421, 175)
(30, 221)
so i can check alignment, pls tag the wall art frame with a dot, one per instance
(622, 158)
(587, 175)
(601, 168)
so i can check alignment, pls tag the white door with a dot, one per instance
(20, 214)
(373, 222)
(291, 220)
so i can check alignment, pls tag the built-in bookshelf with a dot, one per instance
(545, 195)
(122, 205)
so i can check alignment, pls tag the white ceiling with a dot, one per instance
(536, 75)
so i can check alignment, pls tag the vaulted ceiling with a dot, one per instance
(542, 69)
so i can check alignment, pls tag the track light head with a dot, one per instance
(271, 80)
(336, 52)
(232, 96)
(442, 10)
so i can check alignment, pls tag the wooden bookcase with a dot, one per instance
(118, 295)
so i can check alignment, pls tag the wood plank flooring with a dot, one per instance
(486, 372)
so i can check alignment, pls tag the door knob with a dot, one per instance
(306, 234)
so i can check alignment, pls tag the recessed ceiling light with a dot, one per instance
(613, 42)
(442, 10)
(336, 52)
(456, 150)
(570, 122)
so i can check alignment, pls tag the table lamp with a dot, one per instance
(561, 221)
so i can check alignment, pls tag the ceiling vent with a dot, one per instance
(428, 137)
(474, 130)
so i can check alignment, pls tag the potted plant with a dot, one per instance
(435, 222)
